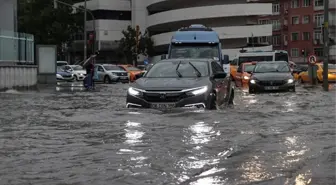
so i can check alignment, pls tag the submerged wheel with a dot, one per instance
(251, 90)
(212, 105)
(231, 97)
(107, 80)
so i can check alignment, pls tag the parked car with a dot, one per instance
(61, 63)
(109, 73)
(78, 71)
(270, 76)
(64, 75)
(172, 83)
(133, 71)
(304, 76)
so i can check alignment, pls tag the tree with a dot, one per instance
(47, 24)
(127, 45)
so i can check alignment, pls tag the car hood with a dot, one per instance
(271, 76)
(116, 71)
(80, 72)
(63, 73)
(170, 83)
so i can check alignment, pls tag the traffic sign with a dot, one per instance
(312, 59)
(146, 62)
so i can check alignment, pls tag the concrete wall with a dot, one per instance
(18, 76)
(8, 15)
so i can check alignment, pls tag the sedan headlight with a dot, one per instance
(290, 81)
(252, 81)
(134, 92)
(115, 74)
(246, 77)
(200, 90)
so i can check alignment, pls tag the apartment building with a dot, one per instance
(234, 20)
(297, 26)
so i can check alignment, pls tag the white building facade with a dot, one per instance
(234, 20)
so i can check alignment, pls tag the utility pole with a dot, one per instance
(326, 45)
(85, 13)
(85, 36)
(137, 33)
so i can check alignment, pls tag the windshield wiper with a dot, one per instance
(177, 72)
(197, 71)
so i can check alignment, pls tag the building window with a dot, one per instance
(276, 40)
(295, 20)
(306, 36)
(318, 20)
(317, 34)
(276, 8)
(306, 19)
(264, 21)
(318, 52)
(111, 15)
(295, 36)
(319, 3)
(295, 4)
(265, 39)
(295, 52)
(306, 3)
(276, 24)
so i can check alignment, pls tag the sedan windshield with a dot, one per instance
(113, 68)
(271, 67)
(244, 59)
(77, 68)
(331, 66)
(178, 69)
(249, 68)
(133, 69)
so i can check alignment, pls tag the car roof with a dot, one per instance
(187, 60)
(271, 62)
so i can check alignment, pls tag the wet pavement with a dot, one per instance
(62, 137)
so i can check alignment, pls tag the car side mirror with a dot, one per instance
(225, 59)
(140, 75)
(219, 75)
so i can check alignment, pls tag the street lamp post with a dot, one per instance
(85, 18)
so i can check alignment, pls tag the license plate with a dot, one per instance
(123, 77)
(271, 88)
(162, 105)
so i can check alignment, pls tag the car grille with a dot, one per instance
(121, 74)
(164, 97)
(272, 83)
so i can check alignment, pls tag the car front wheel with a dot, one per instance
(107, 80)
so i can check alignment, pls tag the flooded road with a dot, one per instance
(86, 138)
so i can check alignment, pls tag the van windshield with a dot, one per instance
(193, 50)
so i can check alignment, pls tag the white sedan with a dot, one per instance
(78, 71)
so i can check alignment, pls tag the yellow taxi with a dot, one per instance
(304, 77)
(243, 74)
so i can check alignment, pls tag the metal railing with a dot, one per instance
(16, 47)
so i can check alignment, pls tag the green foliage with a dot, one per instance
(47, 24)
(127, 45)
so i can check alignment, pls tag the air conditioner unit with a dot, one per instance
(286, 43)
(286, 11)
(315, 41)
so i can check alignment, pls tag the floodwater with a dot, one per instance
(90, 138)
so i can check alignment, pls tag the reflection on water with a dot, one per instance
(303, 179)
(255, 170)
(208, 181)
(133, 135)
(202, 133)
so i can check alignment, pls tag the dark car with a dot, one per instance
(270, 76)
(172, 83)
